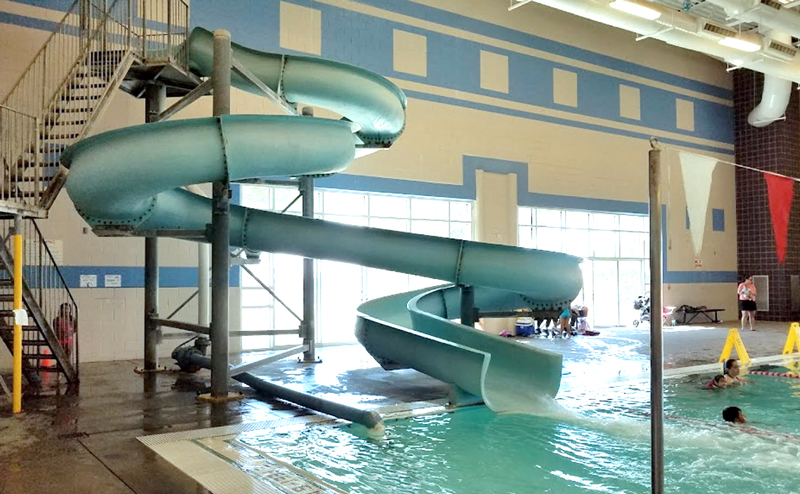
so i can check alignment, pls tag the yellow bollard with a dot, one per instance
(17, 384)
(734, 340)
(793, 340)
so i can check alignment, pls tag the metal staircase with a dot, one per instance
(98, 47)
(49, 341)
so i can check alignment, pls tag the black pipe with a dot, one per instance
(367, 418)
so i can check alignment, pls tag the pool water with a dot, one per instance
(590, 440)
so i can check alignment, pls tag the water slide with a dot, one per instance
(134, 179)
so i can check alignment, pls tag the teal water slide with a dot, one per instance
(133, 178)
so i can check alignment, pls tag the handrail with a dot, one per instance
(75, 4)
(43, 284)
(55, 264)
(81, 57)
(4, 107)
(66, 86)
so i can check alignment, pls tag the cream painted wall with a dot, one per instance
(495, 222)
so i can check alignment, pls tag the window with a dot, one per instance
(340, 287)
(615, 249)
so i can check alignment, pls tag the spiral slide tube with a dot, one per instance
(133, 179)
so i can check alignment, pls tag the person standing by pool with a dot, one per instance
(564, 321)
(732, 371)
(747, 301)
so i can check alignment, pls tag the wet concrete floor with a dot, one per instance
(85, 442)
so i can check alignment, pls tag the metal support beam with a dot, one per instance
(515, 4)
(233, 334)
(195, 94)
(268, 92)
(156, 97)
(268, 181)
(308, 330)
(656, 336)
(184, 304)
(220, 226)
(239, 369)
(468, 306)
(186, 326)
(271, 292)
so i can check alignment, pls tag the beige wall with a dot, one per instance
(495, 222)
(562, 159)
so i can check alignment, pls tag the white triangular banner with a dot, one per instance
(697, 172)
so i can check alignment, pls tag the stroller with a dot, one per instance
(642, 304)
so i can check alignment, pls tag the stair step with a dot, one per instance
(6, 297)
(34, 343)
(39, 356)
(65, 123)
(6, 325)
(8, 313)
(44, 368)
(60, 137)
(6, 282)
(68, 97)
(91, 86)
(69, 110)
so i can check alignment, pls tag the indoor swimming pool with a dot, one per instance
(588, 440)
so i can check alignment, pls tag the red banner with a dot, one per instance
(781, 193)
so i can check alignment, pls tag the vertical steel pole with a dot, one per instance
(308, 325)
(656, 336)
(155, 102)
(467, 306)
(16, 394)
(220, 225)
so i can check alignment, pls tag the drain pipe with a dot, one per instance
(188, 356)
(775, 95)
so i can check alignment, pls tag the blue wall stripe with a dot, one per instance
(61, 5)
(22, 21)
(458, 21)
(560, 121)
(133, 276)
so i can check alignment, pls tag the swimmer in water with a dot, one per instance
(717, 382)
(732, 371)
(734, 415)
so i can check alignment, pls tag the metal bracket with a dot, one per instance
(514, 4)
(242, 368)
(202, 90)
(660, 31)
(268, 92)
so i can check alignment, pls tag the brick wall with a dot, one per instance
(776, 148)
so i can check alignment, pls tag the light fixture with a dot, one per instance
(740, 44)
(636, 9)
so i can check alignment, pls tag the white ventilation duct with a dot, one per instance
(774, 101)
(748, 50)
(768, 15)
(777, 92)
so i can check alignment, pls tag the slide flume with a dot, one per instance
(133, 179)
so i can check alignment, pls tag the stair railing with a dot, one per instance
(49, 288)
(87, 46)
